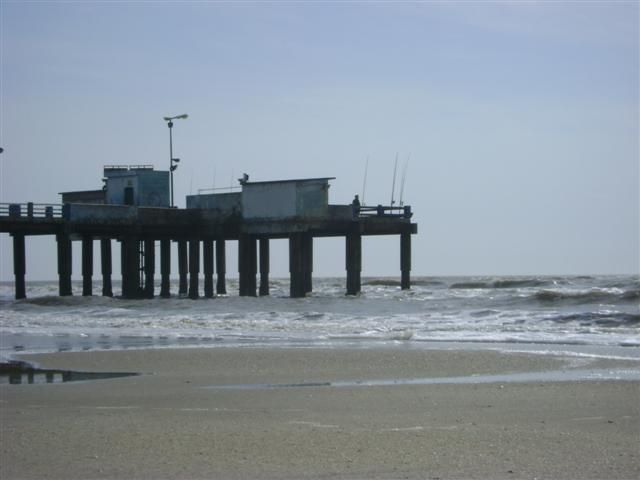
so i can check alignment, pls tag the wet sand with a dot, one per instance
(170, 423)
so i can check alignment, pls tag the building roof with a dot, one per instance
(87, 192)
(294, 180)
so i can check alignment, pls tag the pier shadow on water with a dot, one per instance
(20, 373)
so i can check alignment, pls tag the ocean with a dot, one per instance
(597, 315)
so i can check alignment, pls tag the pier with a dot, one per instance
(296, 210)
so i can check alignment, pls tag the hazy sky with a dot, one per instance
(520, 118)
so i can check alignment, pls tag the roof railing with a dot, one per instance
(128, 167)
(233, 188)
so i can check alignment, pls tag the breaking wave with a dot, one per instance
(552, 296)
(505, 283)
(603, 319)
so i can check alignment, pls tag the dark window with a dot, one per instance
(128, 195)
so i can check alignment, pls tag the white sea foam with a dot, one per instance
(582, 311)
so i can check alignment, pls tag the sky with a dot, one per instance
(517, 121)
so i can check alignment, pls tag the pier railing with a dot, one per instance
(30, 210)
(383, 211)
(45, 210)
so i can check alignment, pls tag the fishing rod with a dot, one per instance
(393, 185)
(364, 181)
(404, 178)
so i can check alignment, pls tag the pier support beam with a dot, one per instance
(353, 262)
(183, 267)
(405, 260)
(19, 265)
(105, 266)
(87, 266)
(149, 267)
(297, 265)
(130, 267)
(307, 253)
(165, 268)
(247, 265)
(264, 266)
(221, 267)
(194, 268)
(64, 264)
(207, 260)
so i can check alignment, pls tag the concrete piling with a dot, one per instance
(87, 266)
(165, 267)
(247, 265)
(405, 260)
(19, 265)
(296, 265)
(149, 267)
(264, 266)
(353, 259)
(183, 267)
(194, 268)
(208, 267)
(64, 264)
(307, 253)
(105, 263)
(131, 267)
(221, 267)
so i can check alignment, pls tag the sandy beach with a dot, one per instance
(243, 413)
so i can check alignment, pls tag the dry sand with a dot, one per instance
(166, 424)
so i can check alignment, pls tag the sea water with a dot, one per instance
(589, 315)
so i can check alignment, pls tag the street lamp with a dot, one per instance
(172, 160)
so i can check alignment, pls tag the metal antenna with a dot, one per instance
(364, 182)
(393, 185)
(404, 178)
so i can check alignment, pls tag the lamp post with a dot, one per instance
(172, 160)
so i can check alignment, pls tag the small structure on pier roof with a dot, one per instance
(269, 200)
(136, 185)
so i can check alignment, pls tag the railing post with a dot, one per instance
(14, 210)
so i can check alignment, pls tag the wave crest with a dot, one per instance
(585, 296)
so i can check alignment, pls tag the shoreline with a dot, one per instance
(13, 345)
(172, 422)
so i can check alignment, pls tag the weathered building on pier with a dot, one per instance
(138, 185)
(133, 210)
